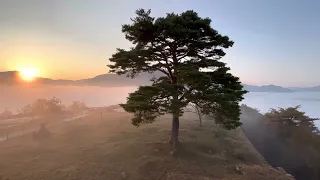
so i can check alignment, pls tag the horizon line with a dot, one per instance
(243, 83)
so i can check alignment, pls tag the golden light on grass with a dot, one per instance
(28, 74)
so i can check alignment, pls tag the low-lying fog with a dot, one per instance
(13, 97)
(263, 101)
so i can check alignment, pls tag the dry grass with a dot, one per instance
(109, 147)
(19, 125)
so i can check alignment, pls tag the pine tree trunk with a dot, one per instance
(200, 120)
(175, 131)
(175, 115)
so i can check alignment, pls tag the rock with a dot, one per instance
(224, 153)
(209, 151)
(239, 170)
(124, 175)
(284, 171)
(281, 169)
(173, 152)
(289, 175)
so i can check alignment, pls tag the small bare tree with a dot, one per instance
(197, 110)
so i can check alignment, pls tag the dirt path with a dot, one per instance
(30, 130)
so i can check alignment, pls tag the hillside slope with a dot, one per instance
(109, 147)
(264, 138)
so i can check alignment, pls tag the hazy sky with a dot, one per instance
(276, 41)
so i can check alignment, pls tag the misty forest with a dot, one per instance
(188, 122)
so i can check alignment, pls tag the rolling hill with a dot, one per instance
(266, 88)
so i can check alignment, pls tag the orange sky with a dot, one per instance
(75, 39)
(52, 57)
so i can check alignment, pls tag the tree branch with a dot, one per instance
(169, 73)
(182, 57)
(186, 93)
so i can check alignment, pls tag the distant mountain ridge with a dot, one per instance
(309, 89)
(266, 88)
(9, 77)
(111, 80)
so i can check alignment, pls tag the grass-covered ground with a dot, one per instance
(109, 147)
(14, 125)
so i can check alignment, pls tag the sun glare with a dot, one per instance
(28, 74)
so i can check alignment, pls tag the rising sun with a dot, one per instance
(28, 74)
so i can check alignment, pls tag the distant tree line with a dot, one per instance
(299, 134)
(286, 137)
(43, 107)
(6, 114)
(46, 107)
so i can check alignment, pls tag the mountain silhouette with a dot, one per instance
(309, 89)
(109, 80)
(9, 77)
(112, 80)
(116, 80)
(266, 88)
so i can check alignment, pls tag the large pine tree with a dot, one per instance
(187, 51)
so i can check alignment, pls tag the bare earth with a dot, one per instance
(110, 148)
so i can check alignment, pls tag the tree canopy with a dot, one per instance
(299, 134)
(44, 107)
(292, 117)
(186, 51)
(77, 107)
(6, 113)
